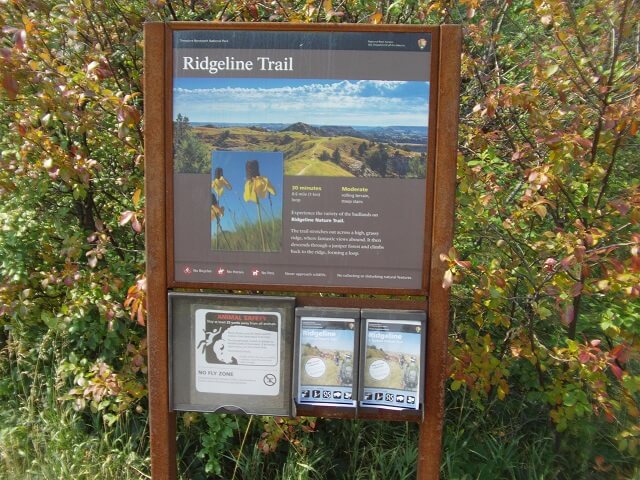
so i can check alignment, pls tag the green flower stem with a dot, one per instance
(264, 248)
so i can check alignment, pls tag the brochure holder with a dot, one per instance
(231, 353)
(325, 369)
(392, 353)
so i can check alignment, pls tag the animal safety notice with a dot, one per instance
(237, 352)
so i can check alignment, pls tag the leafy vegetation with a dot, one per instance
(545, 381)
(190, 154)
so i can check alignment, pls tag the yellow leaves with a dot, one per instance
(136, 197)
(376, 18)
(28, 24)
(45, 57)
(550, 70)
(310, 8)
(540, 210)
(256, 188)
(136, 300)
(502, 390)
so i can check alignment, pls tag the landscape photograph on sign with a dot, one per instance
(322, 127)
(246, 201)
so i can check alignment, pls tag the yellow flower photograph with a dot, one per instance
(247, 218)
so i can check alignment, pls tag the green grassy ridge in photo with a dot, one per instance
(312, 155)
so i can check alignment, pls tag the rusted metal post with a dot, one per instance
(430, 444)
(161, 421)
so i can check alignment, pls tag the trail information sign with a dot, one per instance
(307, 159)
(300, 157)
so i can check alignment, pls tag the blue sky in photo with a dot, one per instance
(375, 103)
(237, 210)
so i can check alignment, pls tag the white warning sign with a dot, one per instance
(237, 352)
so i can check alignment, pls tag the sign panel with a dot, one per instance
(393, 353)
(237, 352)
(327, 366)
(300, 157)
(231, 353)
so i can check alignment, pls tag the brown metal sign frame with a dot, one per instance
(432, 297)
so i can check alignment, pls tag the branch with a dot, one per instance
(607, 175)
(577, 67)
(172, 11)
(585, 51)
(616, 48)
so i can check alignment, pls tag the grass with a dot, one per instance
(308, 166)
(246, 237)
(299, 466)
(58, 443)
(506, 443)
(42, 436)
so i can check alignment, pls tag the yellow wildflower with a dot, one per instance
(220, 183)
(257, 187)
(217, 210)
